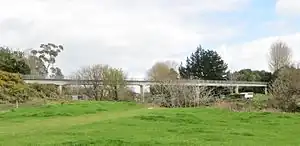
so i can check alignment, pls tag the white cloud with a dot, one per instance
(254, 54)
(288, 7)
(129, 34)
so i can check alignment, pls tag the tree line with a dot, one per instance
(283, 78)
(41, 62)
(203, 64)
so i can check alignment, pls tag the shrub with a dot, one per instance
(285, 90)
(167, 95)
(13, 61)
(45, 91)
(14, 90)
(235, 96)
(232, 105)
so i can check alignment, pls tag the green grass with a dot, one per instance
(111, 123)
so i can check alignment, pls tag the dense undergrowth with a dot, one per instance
(14, 90)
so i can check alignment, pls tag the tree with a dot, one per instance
(204, 64)
(162, 71)
(264, 76)
(101, 81)
(252, 76)
(36, 65)
(247, 75)
(48, 53)
(280, 55)
(56, 73)
(13, 61)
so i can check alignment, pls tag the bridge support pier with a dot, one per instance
(60, 89)
(237, 90)
(142, 94)
(266, 90)
(197, 92)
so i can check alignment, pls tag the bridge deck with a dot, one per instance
(30, 79)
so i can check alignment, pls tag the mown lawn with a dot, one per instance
(111, 123)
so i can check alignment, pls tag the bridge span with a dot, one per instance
(142, 82)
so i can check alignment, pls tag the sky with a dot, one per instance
(134, 34)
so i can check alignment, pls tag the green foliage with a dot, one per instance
(277, 72)
(251, 75)
(13, 61)
(265, 76)
(247, 75)
(235, 96)
(57, 73)
(128, 124)
(13, 88)
(19, 92)
(45, 91)
(260, 102)
(204, 64)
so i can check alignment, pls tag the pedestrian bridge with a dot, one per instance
(42, 80)
(143, 82)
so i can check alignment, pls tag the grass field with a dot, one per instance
(112, 123)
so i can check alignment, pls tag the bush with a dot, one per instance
(235, 96)
(45, 91)
(13, 61)
(233, 105)
(242, 104)
(285, 90)
(181, 96)
(14, 90)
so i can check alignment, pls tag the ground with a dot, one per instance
(122, 123)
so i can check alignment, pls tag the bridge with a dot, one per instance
(142, 82)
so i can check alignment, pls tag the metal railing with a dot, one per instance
(34, 77)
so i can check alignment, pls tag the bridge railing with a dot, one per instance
(35, 77)
(224, 81)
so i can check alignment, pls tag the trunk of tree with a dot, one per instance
(17, 103)
(101, 94)
(116, 92)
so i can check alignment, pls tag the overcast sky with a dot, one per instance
(134, 34)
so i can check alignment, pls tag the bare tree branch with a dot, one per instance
(169, 94)
(101, 81)
(280, 55)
